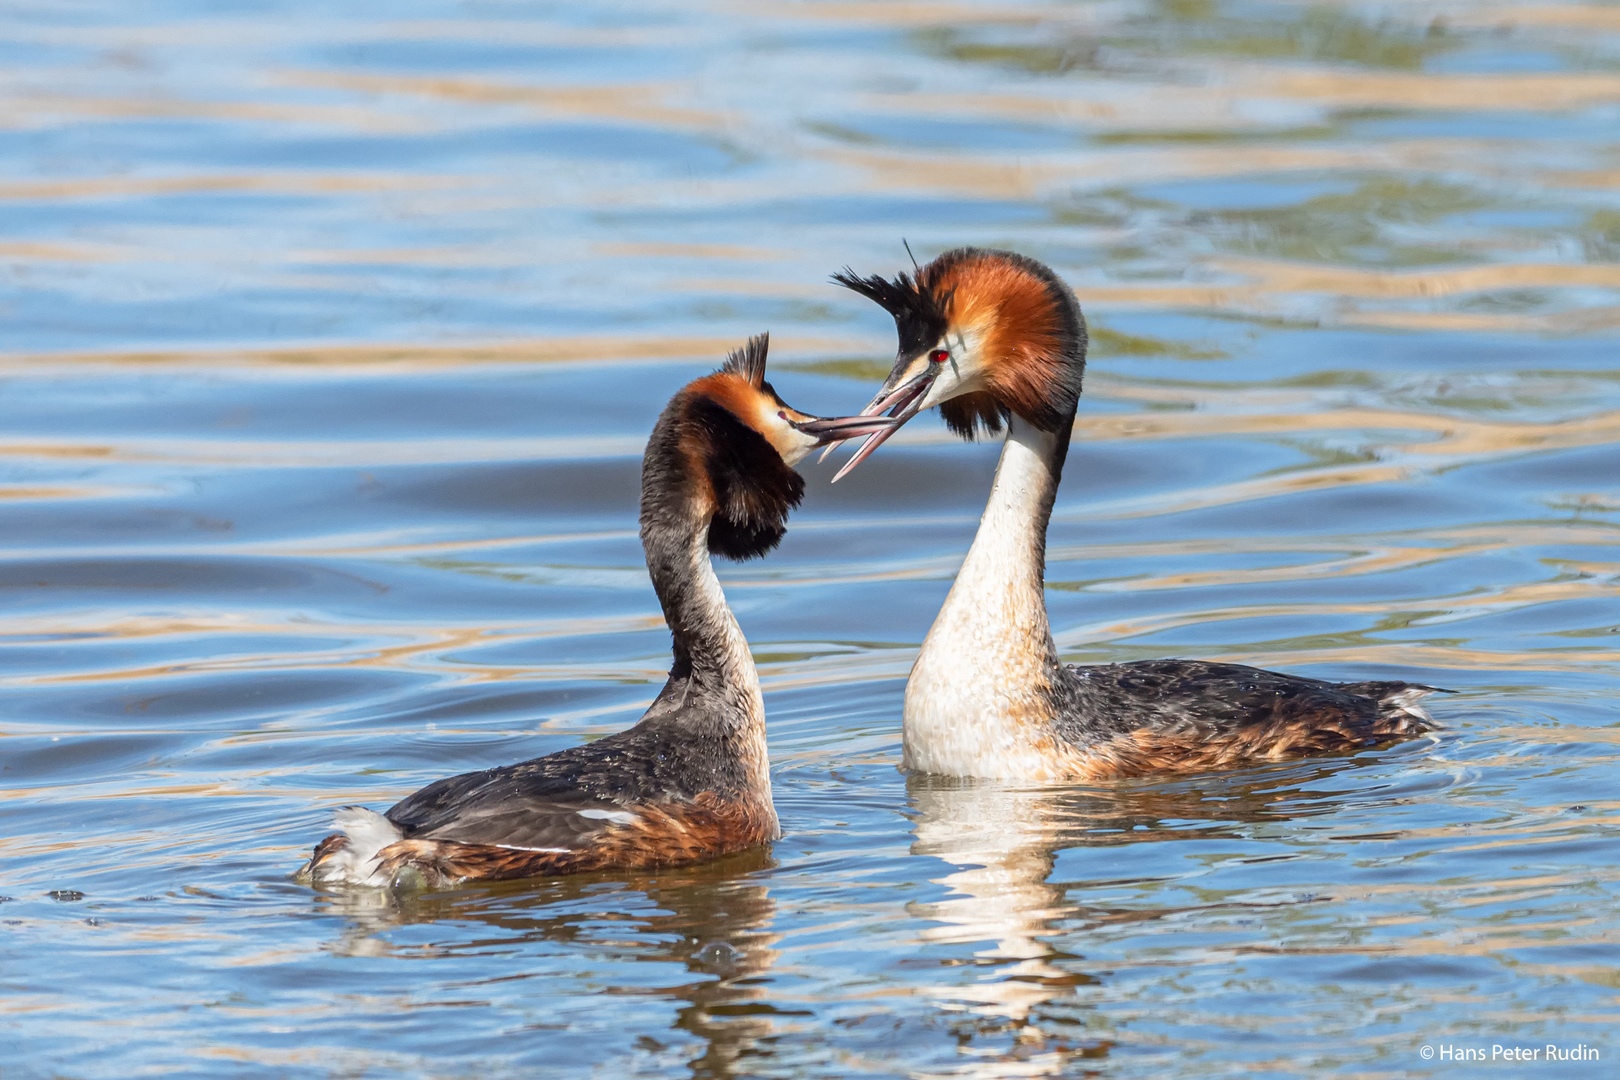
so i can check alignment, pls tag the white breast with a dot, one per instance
(975, 702)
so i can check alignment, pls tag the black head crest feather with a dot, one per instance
(700, 446)
(754, 489)
(919, 314)
(749, 361)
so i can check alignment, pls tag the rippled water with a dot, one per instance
(331, 340)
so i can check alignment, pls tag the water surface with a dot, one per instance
(332, 341)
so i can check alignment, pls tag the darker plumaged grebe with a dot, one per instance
(996, 340)
(690, 781)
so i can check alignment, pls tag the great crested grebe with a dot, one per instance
(690, 781)
(996, 339)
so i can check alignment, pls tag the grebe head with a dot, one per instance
(724, 449)
(983, 334)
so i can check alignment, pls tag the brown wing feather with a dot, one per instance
(662, 834)
(1178, 716)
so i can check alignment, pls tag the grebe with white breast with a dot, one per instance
(995, 339)
(690, 781)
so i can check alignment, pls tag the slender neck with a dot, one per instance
(980, 695)
(1004, 574)
(710, 649)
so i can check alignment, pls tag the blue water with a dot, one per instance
(333, 335)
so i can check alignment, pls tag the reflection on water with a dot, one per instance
(1003, 842)
(707, 928)
(333, 339)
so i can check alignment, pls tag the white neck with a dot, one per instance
(976, 703)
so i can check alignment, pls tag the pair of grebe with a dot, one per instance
(993, 340)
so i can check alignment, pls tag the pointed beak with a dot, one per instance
(900, 402)
(830, 431)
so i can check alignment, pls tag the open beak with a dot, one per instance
(830, 431)
(901, 403)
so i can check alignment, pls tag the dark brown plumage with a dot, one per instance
(690, 781)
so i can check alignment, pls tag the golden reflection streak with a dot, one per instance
(445, 546)
(58, 252)
(1245, 491)
(303, 182)
(517, 31)
(919, 12)
(427, 649)
(229, 32)
(1357, 565)
(467, 255)
(56, 450)
(1462, 440)
(1032, 176)
(100, 491)
(1351, 89)
(1349, 564)
(551, 350)
(1473, 940)
(1416, 655)
(1586, 178)
(1474, 831)
(688, 251)
(367, 651)
(1572, 321)
(33, 111)
(1509, 597)
(1226, 102)
(355, 454)
(1473, 538)
(642, 104)
(1277, 276)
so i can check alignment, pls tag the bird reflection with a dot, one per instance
(1004, 838)
(715, 919)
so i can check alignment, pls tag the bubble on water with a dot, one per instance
(718, 954)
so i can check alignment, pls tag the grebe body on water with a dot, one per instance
(996, 340)
(690, 781)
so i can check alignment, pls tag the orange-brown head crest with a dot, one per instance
(1017, 322)
(713, 449)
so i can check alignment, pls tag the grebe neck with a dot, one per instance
(979, 696)
(712, 696)
(1009, 550)
(710, 649)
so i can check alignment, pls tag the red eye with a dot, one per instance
(938, 356)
